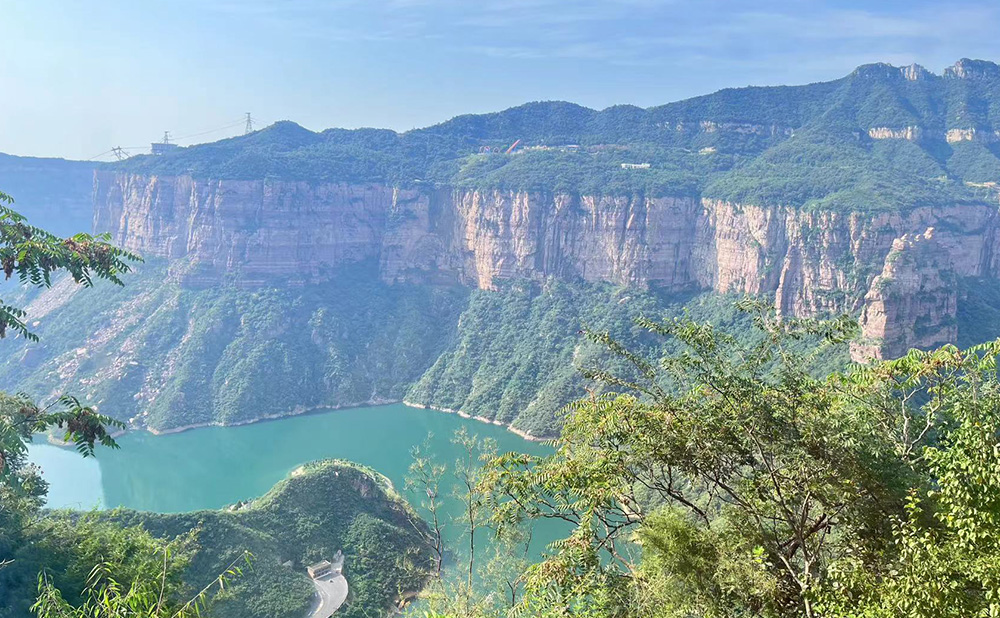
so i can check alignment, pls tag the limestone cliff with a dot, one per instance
(809, 262)
(816, 262)
(257, 231)
(912, 303)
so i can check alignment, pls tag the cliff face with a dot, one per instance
(810, 262)
(814, 262)
(912, 303)
(259, 230)
(481, 238)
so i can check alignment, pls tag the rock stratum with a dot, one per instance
(810, 262)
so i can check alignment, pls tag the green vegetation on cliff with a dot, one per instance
(230, 355)
(518, 353)
(794, 146)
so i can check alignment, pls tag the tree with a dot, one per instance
(945, 556)
(145, 595)
(744, 476)
(468, 471)
(22, 489)
(490, 581)
(425, 478)
(35, 256)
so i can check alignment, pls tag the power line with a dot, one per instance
(215, 130)
(120, 152)
(97, 156)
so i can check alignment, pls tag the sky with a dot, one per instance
(78, 77)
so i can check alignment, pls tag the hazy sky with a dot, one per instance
(77, 77)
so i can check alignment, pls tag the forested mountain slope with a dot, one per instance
(352, 266)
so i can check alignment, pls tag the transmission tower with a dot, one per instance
(166, 137)
(119, 153)
(249, 128)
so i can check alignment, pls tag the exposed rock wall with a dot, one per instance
(910, 133)
(912, 303)
(809, 262)
(816, 262)
(257, 230)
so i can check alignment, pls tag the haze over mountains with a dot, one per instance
(367, 265)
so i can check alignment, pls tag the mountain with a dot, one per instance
(291, 269)
(882, 137)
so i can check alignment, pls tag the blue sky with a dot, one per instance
(77, 77)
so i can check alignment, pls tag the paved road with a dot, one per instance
(331, 592)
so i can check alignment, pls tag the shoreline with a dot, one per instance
(303, 410)
(482, 419)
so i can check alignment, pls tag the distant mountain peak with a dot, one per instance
(972, 69)
(965, 68)
(914, 72)
(883, 70)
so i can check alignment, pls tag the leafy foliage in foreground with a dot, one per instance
(34, 255)
(134, 582)
(754, 488)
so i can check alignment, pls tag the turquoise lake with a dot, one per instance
(212, 467)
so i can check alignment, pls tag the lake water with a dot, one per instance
(213, 467)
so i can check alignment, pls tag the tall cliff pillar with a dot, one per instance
(912, 303)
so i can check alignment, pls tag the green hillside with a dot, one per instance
(320, 508)
(805, 146)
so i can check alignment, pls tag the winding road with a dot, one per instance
(331, 592)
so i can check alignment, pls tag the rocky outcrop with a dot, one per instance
(809, 262)
(972, 69)
(914, 72)
(954, 136)
(912, 303)
(911, 133)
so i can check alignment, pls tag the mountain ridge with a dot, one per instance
(871, 194)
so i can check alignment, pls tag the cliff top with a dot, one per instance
(883, 137)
